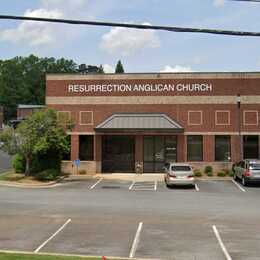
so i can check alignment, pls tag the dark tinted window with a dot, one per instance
(254, 166)
(222, 148)
(195, 148)
(86, 147)
(250, 145)
(181, 168)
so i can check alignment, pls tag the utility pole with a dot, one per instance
(239, 127)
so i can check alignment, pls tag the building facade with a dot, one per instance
(138, 122)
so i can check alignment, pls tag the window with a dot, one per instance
(222, 148)
(86, 147)
(250, 147)
(195, 148)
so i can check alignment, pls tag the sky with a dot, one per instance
(139, 51)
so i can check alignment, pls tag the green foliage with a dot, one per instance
(18, 163)
(22, 80)
(119, 67)
(208, 169)
(40, 138)
(222, 174)
(197, 173)
(48, 175)
(210, 174)
(82, 172)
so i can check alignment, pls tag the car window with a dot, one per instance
(180, 168)
(254, 166)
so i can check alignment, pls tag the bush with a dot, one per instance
(82, 172)
(19, 163)
(210, 174)
(222, 174)
(48, 175)
(197, 173)
(208, 169)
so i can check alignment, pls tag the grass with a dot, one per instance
(11, 256)
(11, 176)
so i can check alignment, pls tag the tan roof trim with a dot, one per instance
(136, 76)
(114, 100)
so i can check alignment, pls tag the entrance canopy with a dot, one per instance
(139, 122)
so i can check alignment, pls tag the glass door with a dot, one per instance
(157, 151)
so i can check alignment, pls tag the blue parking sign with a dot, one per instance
(77, 162)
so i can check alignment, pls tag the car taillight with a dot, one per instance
(190, 176)
(173, 175)
(248, 173)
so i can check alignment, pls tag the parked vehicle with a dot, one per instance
(248, 171)
(178, 174)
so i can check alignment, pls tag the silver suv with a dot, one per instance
(248, 171)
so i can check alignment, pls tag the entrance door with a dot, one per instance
(118, 154)
(157, 151)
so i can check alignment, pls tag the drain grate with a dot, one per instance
(110, 187)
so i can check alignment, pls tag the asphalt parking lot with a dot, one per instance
(216, 220)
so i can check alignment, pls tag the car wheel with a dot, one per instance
(244, 182)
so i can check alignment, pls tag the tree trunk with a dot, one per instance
(27, 168)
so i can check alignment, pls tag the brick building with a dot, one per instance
(137, 122)
(23, 111)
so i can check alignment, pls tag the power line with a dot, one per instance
(253, 1)
(133, 26)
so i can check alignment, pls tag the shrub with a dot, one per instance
(47, 175)
(197, 173)
(210, 174)
(222, 174)
(18, 163)
(82, 172)
(230, 173)
(208, 169)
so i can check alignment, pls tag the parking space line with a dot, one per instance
(51, 237)
(95, 184)
(131, 186)
(228, 257)
(155, 185)
(136, 240)
(238, 186)
(197, 187)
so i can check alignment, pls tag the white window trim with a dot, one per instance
(92, 117)
(195, 111)
(250, 111)
(222, 111)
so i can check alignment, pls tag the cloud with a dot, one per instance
(127, 41)
(219, 3)
(176, 68)
(108, 68)
(33, 33)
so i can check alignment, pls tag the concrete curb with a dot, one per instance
(71, 255)
(35, 186)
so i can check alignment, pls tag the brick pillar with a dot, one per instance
(235, 148)
(258, 146)
(208, 148)
(139, 151)
(74, 147)
(181, 148)
(98, 152)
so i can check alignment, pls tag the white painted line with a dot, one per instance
(131, 186)
(51, 237)
(197, 187)
(238, 186)
(155, 185)
(95, 184)
(136, 240)
(228, 257)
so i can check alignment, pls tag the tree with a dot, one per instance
(41, 133)
(22, 80)
(119, 67)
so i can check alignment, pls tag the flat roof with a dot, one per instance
(154, 75)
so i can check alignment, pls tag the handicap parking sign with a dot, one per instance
(77, 162)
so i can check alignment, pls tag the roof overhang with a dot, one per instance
(139, 122)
